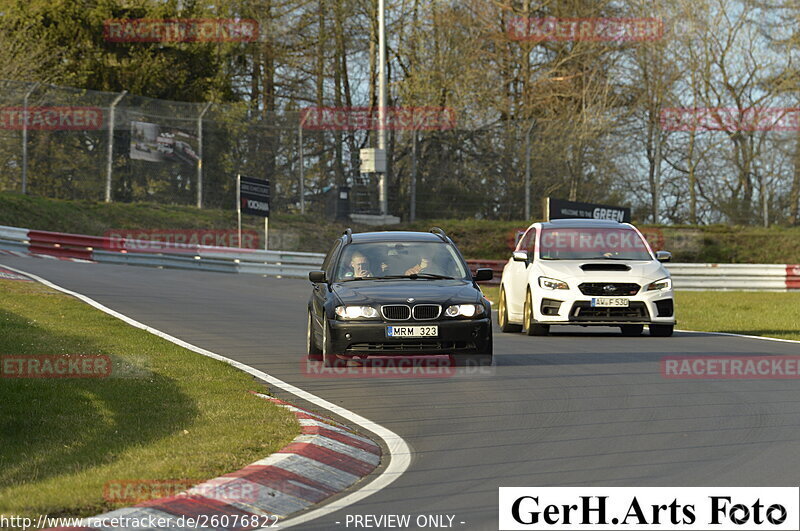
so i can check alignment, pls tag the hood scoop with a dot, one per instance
(605, 267)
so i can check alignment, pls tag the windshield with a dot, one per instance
(590, 244)
(393, 259)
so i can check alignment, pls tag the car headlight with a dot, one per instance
(356, 312)
(464, 310)
(552, 283)
(664, 283)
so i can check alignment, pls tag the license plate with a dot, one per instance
(610, 302)
(412, 331)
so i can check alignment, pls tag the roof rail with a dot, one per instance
(440, 233)
(349, 233)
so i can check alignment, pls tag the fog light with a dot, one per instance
(550, 306)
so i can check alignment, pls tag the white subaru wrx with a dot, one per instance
(586, 272)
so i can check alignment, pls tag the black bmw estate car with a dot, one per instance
(398, 294)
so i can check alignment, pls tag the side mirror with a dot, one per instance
(663, 256)
(483, 274)
(317, 277)
(520, 256)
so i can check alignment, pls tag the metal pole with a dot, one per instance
(765, 199)
(657, 177)
(239, 206)
(109, 164)
(382, 185)
(528, 172)
(266, 233)
(302, 167)
(412, 207)
(25, 138)
(200, 155)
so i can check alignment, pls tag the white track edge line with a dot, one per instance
(399, 451)
(779, 340)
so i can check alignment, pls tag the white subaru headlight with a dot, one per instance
(356, 312)
(664, 283)
(464, 310)
(552, 283)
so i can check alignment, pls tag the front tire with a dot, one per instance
(661, 330)
(502, 315)
(329, 358)
(531, 327)
(632, 330)
(314, 352)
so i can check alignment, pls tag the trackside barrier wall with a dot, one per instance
(755, 277)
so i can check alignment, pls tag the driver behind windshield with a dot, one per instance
(359, 266)
(397, 259)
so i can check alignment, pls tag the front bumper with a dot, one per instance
(573, 307)
(368, 338)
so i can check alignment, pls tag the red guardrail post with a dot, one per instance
(64, 245)
(792, 276)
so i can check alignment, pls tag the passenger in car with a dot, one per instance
(420, 267)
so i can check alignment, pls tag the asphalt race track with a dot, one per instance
(573, 409)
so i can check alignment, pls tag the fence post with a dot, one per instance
(200, 155)
(528, 171)
(25, 138)
(383, 187)
(412, 207)
(110, 162)
(302, 165)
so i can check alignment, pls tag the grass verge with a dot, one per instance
(164, 413)
(751, 313)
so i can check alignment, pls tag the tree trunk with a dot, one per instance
(794, 194)
(268, 105)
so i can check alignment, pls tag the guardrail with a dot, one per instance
(159, 254)
(755, 277)
(752, 277)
